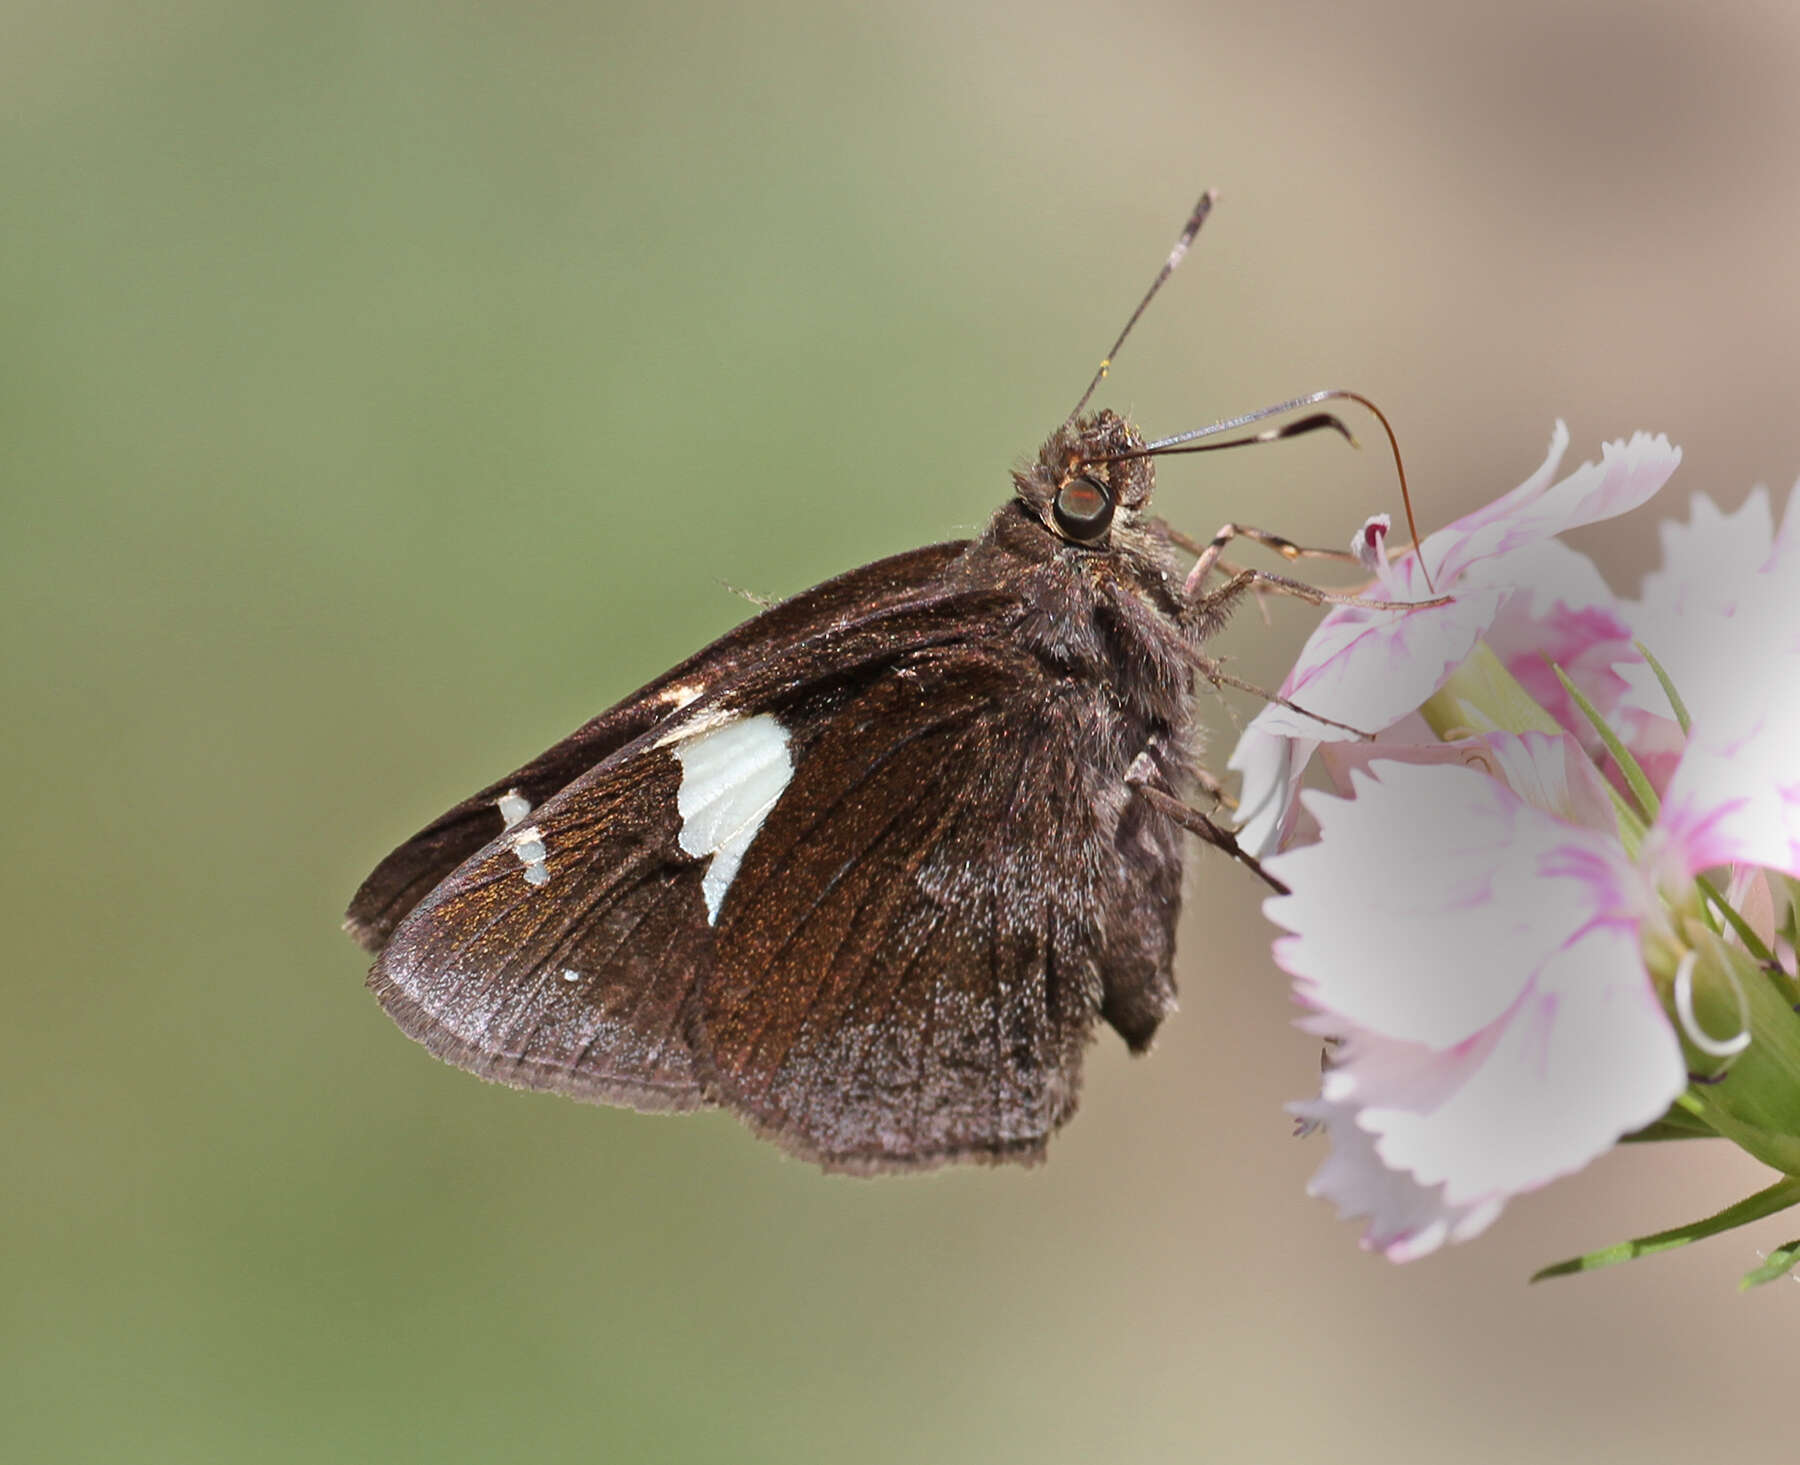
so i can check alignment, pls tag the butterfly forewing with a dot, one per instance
(578, 983)
(407, 875)
(564, 953)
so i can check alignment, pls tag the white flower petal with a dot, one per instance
(1430, 900)
(1585, 1055)
(1562, 614)
(1507, 506)
(1787, 540)
(1550, 771)
(1547, 575)
(1369, 668)
(1735, 795)
(1269, 768)
(1406, 1220)
(1685, 610)
(1553, 774)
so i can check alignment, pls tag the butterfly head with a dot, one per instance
(1079, 485)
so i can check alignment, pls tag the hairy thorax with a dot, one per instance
(1108, 611)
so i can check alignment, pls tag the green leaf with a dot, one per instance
(1778, 1197)
(1635, 778)
(1780, 1261)
(1675, 703)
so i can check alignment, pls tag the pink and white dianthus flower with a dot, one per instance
(1512, 583)
(1495, 960)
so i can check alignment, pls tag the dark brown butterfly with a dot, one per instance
(868, 870)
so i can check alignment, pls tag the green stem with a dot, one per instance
(1778, 1197)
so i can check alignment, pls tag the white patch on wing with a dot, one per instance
(731, 777)
(514, 806)
(528, 845)
(679, 694)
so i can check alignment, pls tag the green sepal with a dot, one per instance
(1780, 1262)
(1676, 705)
(1756, 1104)
(1635, 778)
(1778, 1197)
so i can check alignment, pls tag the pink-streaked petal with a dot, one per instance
(1508, 505)
(1562, 615)
(1432, 898)
(1585, 1055)
(1552, 773)
(1735, 795)
(1627, 475)
(1406, 1220)
(1369, 668)
(1369, 1068)
(1365, 670)
(1550, 575)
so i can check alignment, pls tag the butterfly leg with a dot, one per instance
(1213, 789)
(1215, 834)
(1215, 673)
(1209, 553)
(1266, 580)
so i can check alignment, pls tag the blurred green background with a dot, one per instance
(387, 387)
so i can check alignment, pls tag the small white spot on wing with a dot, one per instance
(528, 845)
(731, 777)
(678, 694)
(514, 806)
(569, 974)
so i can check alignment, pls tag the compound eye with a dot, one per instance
(1084, 509)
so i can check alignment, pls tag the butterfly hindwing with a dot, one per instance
(908, 967)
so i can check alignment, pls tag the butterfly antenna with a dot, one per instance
(1192, 227)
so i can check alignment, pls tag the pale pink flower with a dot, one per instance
(1715, 566)
(1511, 581)
(1467, 924)
(1735, 794)
(1480, 960)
